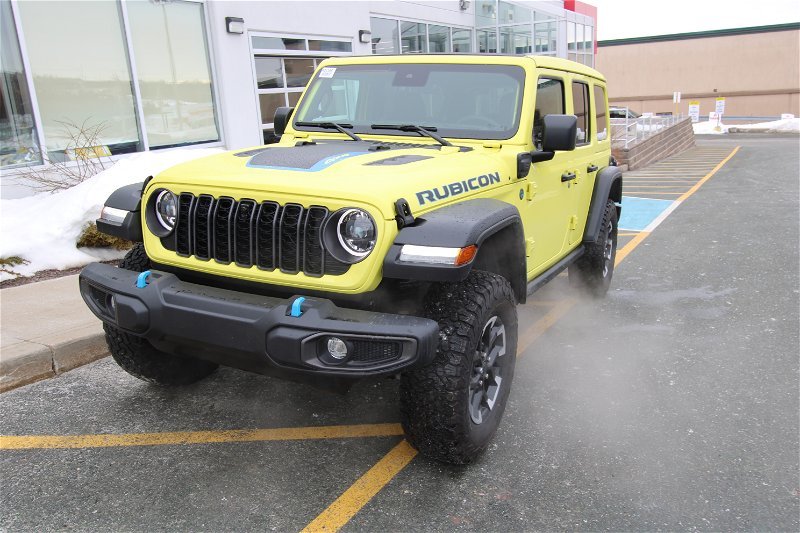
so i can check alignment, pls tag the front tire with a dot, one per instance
(451, 408)
(593, 271)
(138, 357)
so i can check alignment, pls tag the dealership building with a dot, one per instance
(139, 75)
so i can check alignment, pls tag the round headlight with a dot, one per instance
(356, 231)
(166, 209)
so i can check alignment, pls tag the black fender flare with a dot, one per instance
(127, 198)
(607, 186)
(483, 222)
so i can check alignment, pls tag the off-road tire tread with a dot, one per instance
(587, 272)
(431, 414)
(138, 357)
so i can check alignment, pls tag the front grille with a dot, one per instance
(268, 235)
(371, 352)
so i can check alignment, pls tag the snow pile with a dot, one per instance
(43, 229)
(787, 125)
(709, 128)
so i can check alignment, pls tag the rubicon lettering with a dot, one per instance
(457, 187)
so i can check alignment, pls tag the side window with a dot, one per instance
(600, 113)
(549, 101)
(580, 100)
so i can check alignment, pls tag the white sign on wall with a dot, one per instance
(720, 106)
(694, 110)
(676, 97)
(784, 116)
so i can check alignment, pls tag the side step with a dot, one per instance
(536, 283)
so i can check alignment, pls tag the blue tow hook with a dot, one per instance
(141, 279)
(297, 307)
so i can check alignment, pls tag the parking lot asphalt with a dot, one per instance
(672, 404)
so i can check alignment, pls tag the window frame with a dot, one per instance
(537, 143)
(595, 87)
(587, 107)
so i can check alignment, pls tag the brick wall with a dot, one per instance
(671, 141)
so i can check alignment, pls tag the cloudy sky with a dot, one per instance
(619, 19)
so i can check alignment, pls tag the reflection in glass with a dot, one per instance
(412, 38)
(330, 46)
(84, 78)
(515, 39)
(18, 143)
(268, 104)
(485, 13)
(513, 14)
(268, 72)
(487, 41)
(277, 43)
(298, 71)
(384, 36)
(172, 65)
(293, 98)
(438, 39)
(462, 41)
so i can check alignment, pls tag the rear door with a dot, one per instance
(581, 159)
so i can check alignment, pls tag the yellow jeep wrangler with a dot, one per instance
(411, 203)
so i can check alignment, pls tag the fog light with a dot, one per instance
(337, 348)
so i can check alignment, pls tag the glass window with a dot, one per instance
(549, 101)
(330, 46)
(571, 36)
(18, 142)
(79, 64)
(298, 71)
(513, 14)
(173, 69)
(438, 39)
(462, 41)
(580, 104)
(268, 104)
(600, 113)
(487, 41)
(384, 36)
(461, 101)
(278, 43)
(412, 38)
(515, 39)
(268, 72)
(579, 37)
(485, 13)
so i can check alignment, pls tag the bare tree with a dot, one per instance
(84, 157)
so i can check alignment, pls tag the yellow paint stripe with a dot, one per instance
(543, 324)
(26, 442)
(363, 490)
(708, 176)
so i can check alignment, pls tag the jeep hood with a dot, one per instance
(369, 172)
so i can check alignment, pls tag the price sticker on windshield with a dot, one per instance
(327, 72)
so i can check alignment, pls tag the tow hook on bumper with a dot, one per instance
(256, 332)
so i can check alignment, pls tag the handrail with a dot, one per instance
(627, 131)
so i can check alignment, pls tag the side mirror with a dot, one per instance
(559, 132)
(282, 115)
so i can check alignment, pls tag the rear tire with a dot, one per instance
(138, 357)
(451, 409)
(595, 268)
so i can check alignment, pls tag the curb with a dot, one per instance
(29, 362)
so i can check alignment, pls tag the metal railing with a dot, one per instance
(628, 131)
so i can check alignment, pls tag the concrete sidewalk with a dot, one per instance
(46, 329)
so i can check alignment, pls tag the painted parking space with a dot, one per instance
(369, 422)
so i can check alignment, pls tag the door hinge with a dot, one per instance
(529, 242)
(573, 222)
(530, 190)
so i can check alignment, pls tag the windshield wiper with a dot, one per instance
(332, 126)
(428, 132)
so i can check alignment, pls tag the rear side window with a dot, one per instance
(549, 101)
(600, 113)
(580, 100)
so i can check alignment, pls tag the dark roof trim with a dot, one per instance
(701, 34)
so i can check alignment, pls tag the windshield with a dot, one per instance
(462, 101)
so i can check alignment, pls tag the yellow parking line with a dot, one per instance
(26, 442)
(358, 495)
(363, 490)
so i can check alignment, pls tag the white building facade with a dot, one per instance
(139, 75)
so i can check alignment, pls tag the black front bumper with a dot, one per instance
(256, 333)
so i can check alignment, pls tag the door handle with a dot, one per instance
(568, 176)
(591, 168)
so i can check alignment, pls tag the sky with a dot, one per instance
(620, 19)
